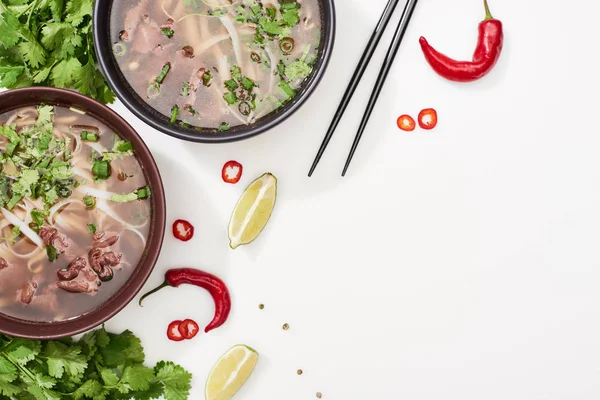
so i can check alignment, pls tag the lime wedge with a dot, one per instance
(253, 210)
(230, 373)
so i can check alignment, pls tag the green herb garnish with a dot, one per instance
(163, 73)
(89, 136)
(185, 90)
(49, 43)
(91, 228)
(174, 113)
(287, 89)
(230, 98)
(101, 170)
(168, 32)
(90, 202)
(51, 253)
(100, 365)
(207, 78)
(223, 127)
(231, 84)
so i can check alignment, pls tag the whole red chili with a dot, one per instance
(487, 52)
(232, 172)
(215, 286)
(183, 230)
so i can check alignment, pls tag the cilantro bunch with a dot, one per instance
(49, 43)
(100, 366)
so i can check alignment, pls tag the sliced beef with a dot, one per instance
(25, 294)
(72, 270)
(52, 237)
(77, 286)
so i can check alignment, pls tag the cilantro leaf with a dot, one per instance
(77, 10)
(62, 358)
(33, 53)
(109, 377)
(64, 73)
(44, 115)
(9, 29)
(177, 380)
(8, 373)
(9, 73)
(136, 377)
(297, 70)
(23, 350)
(56, 8)
(55, 34)
(122, 349)
(89, 389)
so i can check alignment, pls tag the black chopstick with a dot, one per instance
(383, 73)
(355, 80)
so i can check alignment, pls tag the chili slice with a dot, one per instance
(406, 123)
(183, 230)
(173, 332)
(428, 118)
(189, 328)
(232, 172)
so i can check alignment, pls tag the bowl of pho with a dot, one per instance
(213, 71)
(82, 213)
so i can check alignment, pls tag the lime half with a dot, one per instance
(230, 373)
(253, 210)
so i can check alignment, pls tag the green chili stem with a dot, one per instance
(488, 14)
(163, 285)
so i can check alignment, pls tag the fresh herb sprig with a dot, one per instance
(49, 43)
(100, 366)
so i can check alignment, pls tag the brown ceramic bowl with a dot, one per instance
(12, 99)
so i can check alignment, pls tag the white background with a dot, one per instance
(459, 263)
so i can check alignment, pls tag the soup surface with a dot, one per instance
(74, 213)
(216, 63)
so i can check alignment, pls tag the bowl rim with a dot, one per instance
(17, 98)
(114, 78)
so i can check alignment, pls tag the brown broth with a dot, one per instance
(49, 302)
(136, 31)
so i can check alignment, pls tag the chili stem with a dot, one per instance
(163, 285)
(488, 14)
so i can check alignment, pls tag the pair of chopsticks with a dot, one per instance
(358, 73)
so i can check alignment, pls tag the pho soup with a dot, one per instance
(216, 64)
(74, 213)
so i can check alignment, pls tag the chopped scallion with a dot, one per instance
(119, 49)
(231, 85)
(230, 98)
(174, 113)
(101, 169)
(163, 73)
(89, 136)
(168, 32)
(90, 202)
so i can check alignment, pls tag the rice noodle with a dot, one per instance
(34, 263)
(103, 206)
(139, 234)
(24, 228)
(58, 206)
(96, 146)
(100, 194)
(82, 173)
(235, 39)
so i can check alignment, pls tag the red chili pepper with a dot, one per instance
(183, 230)
(215, 286)
(406, 123)
(173, 332)
(428, 118)
(487, 52)
(188, 328)
(232, 172)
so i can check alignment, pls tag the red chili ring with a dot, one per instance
(189, 328)
(232, 172)
(183, 230)
(173, 332)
